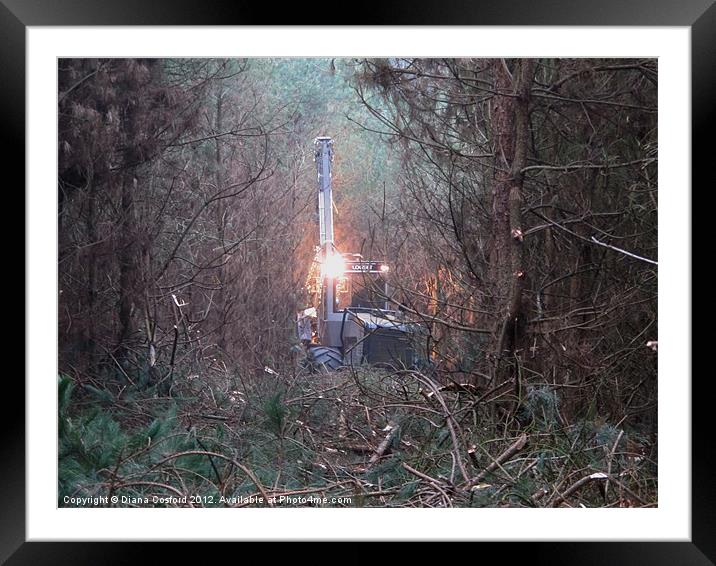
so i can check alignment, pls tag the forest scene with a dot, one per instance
(326, 282)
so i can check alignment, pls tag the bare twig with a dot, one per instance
(154, 484)
(581, 166)
(432, 481)
(610, 459)
(616, 249)
(239, 465)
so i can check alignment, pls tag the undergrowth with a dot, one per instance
(362, 437)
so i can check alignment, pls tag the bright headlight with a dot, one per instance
(333, 266)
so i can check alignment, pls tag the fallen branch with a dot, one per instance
(384, 445)
(539, 494)
(421, 475)
(513, 449)
(578, 485)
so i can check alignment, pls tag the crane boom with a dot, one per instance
(323, 158)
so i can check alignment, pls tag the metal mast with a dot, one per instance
(323, 158)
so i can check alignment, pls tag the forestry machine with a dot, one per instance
(350, 322)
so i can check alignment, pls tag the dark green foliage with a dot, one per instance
(388, 470)
(542, 404)
(276, 413)
(320, 433)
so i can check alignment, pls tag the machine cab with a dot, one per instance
(361, 286)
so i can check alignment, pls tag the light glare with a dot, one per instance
(333, 266)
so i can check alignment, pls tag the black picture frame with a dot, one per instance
(699, 15)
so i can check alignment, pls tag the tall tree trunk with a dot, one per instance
(93, 238)
(510, 126)
(127, 262)
(221, 299)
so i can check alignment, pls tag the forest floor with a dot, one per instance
(362, 437)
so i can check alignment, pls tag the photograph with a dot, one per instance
(409, 278)
(344, 282)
